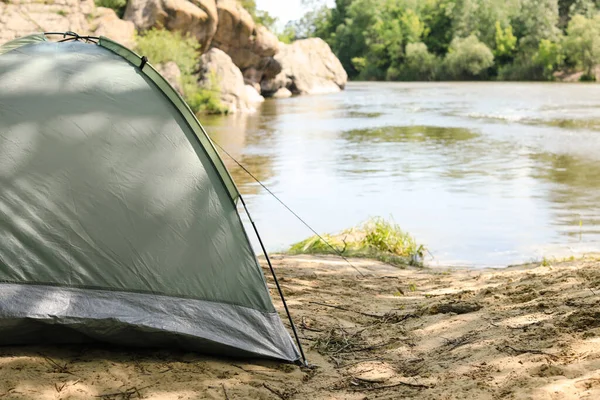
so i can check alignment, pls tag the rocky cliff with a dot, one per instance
(246, 57)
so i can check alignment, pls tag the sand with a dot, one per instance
(527, 332)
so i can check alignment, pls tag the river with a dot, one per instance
(483, 174)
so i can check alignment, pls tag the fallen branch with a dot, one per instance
(526, 351)
(304, 326)
(346, 309)
(60, 368)
(375, 346)
(410, 385)
(225, 392)
(127, 394)
(275, 392)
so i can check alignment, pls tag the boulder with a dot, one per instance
(24, 17)
(253, 95)
(108, 24)
(232, 90)
(308, 67)
(282, 93)
(235, 26)
(250, 46)
(171, 72)
(197, 18)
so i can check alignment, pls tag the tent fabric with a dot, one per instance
(118, 219)
(20, 42)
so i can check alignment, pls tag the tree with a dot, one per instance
(419, 63)
(506, 44)
(549, 56)
(582, 44)
(536, 20)
(468, 58)
(437, 16)
(478, 17)
(259, 16)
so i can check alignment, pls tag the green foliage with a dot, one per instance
(288, 35)
(582, 44)
(506, 43)
(117, 5)
(536, 20)
(376, 238)
(259, 16)
(372, 37)
(265, 19)
(587, 8)
(162, 46)
(467, 58)
(313, 23)
(438, 17)
(359, 63)
(203, 99)
(549, 56)
(419, 63)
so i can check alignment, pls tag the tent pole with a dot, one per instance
(287, 311)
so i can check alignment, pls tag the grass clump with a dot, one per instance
(117, 5)
(376, 238)
(162, 46)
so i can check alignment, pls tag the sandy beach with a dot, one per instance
(523, 332)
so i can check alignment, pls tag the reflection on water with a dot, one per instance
(434, 158)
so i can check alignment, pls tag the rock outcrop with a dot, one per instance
(197, 18)
(250, 46)
(171, 72)
(217, 65)
(308, 67)
(108, 24)
(247, 59)
(24, 17)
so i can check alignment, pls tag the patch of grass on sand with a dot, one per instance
(376, 238)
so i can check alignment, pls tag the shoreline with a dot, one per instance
(522, 332)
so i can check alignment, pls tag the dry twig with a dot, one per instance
(410, 385)
(346, 309)
(275, 392)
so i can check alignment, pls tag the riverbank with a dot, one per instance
(526, 332)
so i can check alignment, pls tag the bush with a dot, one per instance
(467, 58)
(582, 43)
(376, 238)
(419, 63)
(117, 5)
(162, 46)
(549, 56)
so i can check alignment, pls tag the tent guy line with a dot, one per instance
(337, 252)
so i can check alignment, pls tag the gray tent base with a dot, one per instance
(55, 315)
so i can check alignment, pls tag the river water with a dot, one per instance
(483, 174)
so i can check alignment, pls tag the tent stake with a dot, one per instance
(287, 311)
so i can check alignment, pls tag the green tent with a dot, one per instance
(118, 219)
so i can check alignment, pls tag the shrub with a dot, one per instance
(117, 5)
(523, 68)
(582, 43)
(549, 56)
(506, 43)
(161, 46)
(467, 58)
(376, 238)
(419, 63)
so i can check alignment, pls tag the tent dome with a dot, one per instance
(118, 219)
